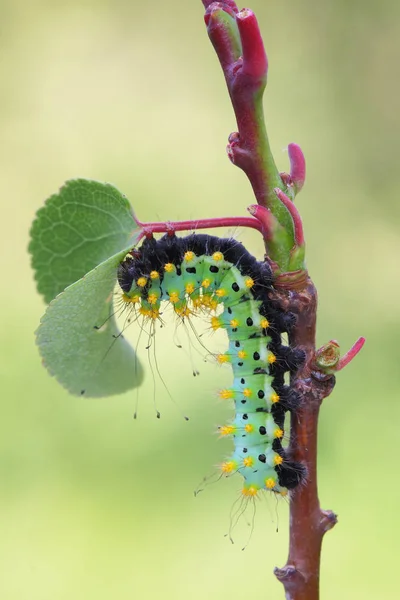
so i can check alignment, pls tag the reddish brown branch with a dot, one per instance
(308, 523)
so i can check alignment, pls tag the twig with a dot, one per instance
(236, 38)
(308, 523)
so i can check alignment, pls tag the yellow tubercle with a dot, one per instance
(197, 302)
(275, 398)
(226, 394)
(229, 466)
(151, 314)
(217, 256)
(250, 491)
(206, 300)
(278, 460)
(220, 293)
(183, 312)
(264, 323)
(248, 461)
(206, 283)
(169, 267)
(152, 299)
(209, 302)
(270, 483)
(189, 255)
(278, 433)
(249, 282)
(222, 358)
(242, 353)
(234, 323)
(141, 282)
(213, 304)
(249, 428)
(271, 358)
(189, 288)
(247, 393)
(131, 299)
(174, 297)
(216, 323)
(227, 429)
(154, 275)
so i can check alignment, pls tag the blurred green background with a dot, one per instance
(93, 504)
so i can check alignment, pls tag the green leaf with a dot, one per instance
(85, 360)
(77, 229)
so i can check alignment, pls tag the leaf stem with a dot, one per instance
(171, 226)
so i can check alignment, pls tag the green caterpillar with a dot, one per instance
(203, 274)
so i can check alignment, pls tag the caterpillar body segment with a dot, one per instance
(202, 274)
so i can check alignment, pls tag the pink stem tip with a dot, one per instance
(352, 353)
(255, 62)
(297, 166)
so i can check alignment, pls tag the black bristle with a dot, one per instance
(290, 474)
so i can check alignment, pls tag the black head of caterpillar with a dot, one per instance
(205, 273)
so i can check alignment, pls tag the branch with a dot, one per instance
(238, 44)
(308, 523)
(314, 381)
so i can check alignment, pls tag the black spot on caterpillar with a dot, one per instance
(202, 273)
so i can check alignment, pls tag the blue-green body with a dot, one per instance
(205, 284)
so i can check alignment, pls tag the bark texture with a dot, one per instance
(308, 522)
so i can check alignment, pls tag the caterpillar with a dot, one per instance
(203, 274)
